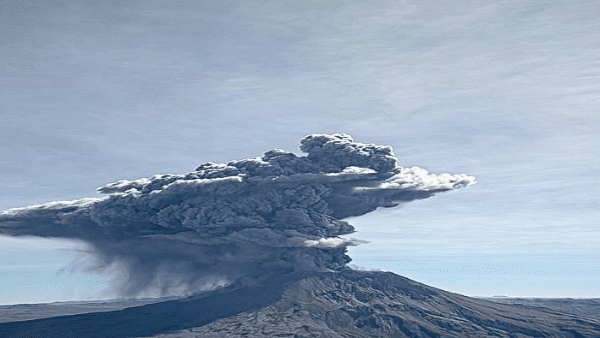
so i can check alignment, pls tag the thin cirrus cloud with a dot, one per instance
(240, 221)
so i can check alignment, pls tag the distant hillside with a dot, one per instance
(20, 312)
(583, 307)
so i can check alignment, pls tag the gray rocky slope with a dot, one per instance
(376, 304)
(318, 304)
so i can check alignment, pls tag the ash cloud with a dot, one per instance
(241, 221)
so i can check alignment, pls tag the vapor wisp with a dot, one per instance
(241, 221)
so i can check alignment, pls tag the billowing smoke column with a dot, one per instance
(244, 220)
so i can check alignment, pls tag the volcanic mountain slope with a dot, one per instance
(318, 304)
(382, 304)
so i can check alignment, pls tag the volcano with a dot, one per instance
(347, 303)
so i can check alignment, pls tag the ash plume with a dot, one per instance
(241, 221)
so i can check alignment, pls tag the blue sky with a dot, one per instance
(507, 91)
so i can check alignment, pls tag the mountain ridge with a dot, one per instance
(347, 303)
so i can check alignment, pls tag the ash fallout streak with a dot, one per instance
(243, 221)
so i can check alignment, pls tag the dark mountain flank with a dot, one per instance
(318, 304)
